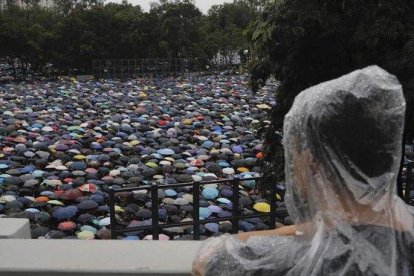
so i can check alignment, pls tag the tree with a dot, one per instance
(226, 24)
(179, 23)
(305, 42)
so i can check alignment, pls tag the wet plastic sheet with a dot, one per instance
(342, 142)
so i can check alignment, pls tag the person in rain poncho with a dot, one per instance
(342, 142)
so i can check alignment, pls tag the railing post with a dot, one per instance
(235, 197)
(408, 178)
(272, 220)
(196, 209)
(154, 211)
(112, 213)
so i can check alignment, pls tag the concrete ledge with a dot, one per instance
(96, 257)
(13, 228)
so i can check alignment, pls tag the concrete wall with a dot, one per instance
(13, 228)
(20, 255)
(96, 257)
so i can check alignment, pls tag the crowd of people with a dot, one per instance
(65, 143)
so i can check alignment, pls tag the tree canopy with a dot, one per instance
(74, 32)
(305, 42)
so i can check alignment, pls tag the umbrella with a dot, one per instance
(237, 149)
(130, 238)
(87, 205)
(144, 214)
(170, 192)
(71, 194)
(42, 217)
(223, 200)
(212, 227)
(65, 212)
(86, 235)
(166, 152)
(104, 234)
(105, 221)
(204, 212)
(55, 202)
(210, 193)
(55, 234)
(215, 209)
(262, 207)
(161, 237)
(91, 188)
(83, 218)
(39, 231)
(66, 226)
(246, 226)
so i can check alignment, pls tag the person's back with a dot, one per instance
(342, 144)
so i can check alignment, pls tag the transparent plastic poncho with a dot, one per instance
(343, 145)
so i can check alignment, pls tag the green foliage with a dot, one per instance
(74, 32)
(305, 42)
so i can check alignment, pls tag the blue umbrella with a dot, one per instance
(65, 212)
(170, 192)
(223, 200)
(131, 238)
(166, 152)
(237, 149)
(204, 212)
(97, 198)
(212, 227)
(217, 128)
(246, 226)
(207, 144)
(79, 166)
(210, 193)
(27, 169)
(223, 164)
(248, 183)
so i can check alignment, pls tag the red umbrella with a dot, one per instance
(66, 226)
(71, 194)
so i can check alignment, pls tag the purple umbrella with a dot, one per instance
(237, 149)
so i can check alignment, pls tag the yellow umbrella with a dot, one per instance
(134, 142)
(262, 207)
(86, 235)
(187, 122)
(151, 164)
(242, 169)
(79, 157)
(118, 209)
(142, 95)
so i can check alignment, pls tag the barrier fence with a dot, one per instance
(236, 216)
(156, 226)
(407, 182)
(127, 68)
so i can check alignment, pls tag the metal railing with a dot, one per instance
(156, 226)
(408, 181)
(126, 68)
